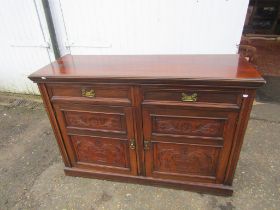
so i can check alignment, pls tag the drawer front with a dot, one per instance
(190, 145)
(99, 138)
(94, 93)
(189, 95)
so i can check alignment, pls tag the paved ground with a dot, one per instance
(31, 170)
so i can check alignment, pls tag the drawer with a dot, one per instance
(95, 93)
(189, 95)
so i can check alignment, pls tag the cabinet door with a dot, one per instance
(186, 144)
(98, 138)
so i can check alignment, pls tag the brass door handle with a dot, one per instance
(189, 98)
(132, 144)
(146, 145)
(88, 93)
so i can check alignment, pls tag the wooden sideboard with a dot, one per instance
(169, 120)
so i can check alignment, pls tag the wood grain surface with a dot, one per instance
(149, 67)
(134, 124)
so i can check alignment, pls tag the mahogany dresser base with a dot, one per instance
(215, 189)
(169, 120)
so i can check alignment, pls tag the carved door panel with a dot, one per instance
(187, 145)
(99, 138)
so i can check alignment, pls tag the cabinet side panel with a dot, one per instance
(243, 119)
(54, 123)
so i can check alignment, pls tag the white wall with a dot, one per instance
(23, 35)
(113, 27)
(149, 26)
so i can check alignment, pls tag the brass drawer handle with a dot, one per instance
(88, 93)
(189, 98)
(132, 144)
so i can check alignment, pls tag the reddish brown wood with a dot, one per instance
(166, 67)
(95, 120)
(173, 159)
(100, 151)
(188, 125)
(217, 189)
(174, 94)
(185, 132)
(242, 123)
(98, 137)
(101, 91)
(136, 102)
(136, 128)
(104, 93)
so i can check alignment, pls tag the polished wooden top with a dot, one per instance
(150, 67)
